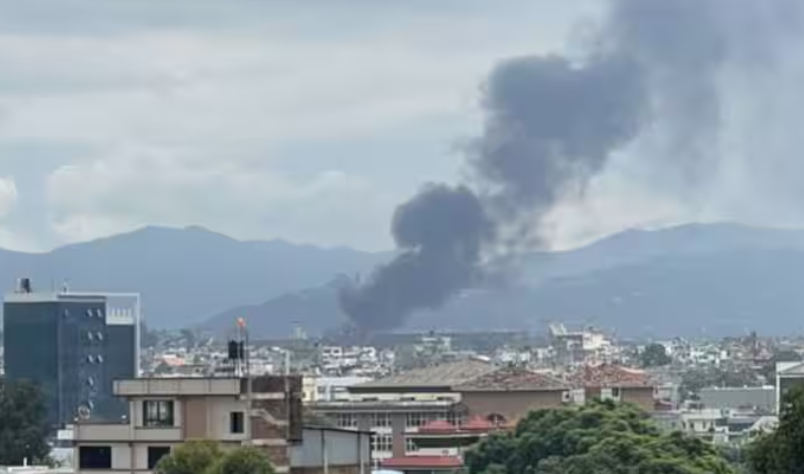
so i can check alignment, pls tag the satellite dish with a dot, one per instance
(83, 412)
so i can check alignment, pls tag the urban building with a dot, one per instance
(613, 382)
(328, 389)
(720, 426)
(396, 406)
(762, 398)
(73, 345)
(788, 375)
(165, 412)
(575, 348)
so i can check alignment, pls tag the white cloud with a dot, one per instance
(259, 119)
(136, 187)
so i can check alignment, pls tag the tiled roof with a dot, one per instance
(512, 379)
(609, 375)
(422, 462)
(437, 426)
(442, 375)
(478, 423)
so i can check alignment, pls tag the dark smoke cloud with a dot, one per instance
(441, 233)
(553, 123)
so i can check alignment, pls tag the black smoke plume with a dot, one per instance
(552, 124)
(441, 233)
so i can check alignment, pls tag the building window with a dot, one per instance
(380, 420)
(496, 419)
(157, 413)
(237, 422)
(381, 442)
(155, 453)
(346, 420)
(416, 419)
(455, 418)
(615, 392)
(410, 446)
(95, 457)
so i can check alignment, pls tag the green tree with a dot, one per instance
(598, 438)
(206, 457)
(246, 460)
(23, 429)
(192, 457)
(654, 355)
(780, 452)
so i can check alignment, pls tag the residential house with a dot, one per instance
(164, 413)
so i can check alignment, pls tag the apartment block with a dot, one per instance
(166, 412)
(73, 345)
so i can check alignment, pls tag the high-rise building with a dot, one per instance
(74, 346)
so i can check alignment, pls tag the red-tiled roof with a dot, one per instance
(477, 423)
(437, 426)
(609, 375)
(512, 379)
(423, 462)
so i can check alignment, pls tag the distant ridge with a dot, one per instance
(688, 279)
(185, 274)
(695, 280)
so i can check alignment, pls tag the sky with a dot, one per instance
(307, 121)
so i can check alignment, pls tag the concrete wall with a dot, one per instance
(335, 447)
(763, 397)
(639, 396)
(511, 405)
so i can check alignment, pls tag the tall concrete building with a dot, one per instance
(73, 345)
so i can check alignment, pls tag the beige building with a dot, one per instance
(398, 405)
(472, 397)
(166, 412)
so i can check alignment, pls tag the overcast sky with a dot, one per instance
(261, 119)
(303, 120)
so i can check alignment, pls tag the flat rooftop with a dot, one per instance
(437, 377)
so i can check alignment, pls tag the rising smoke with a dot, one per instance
(552, 124)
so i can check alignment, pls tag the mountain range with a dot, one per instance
(694, 279)
(184, 275)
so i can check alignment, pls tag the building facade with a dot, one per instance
(73, 345)
(166, 412)
(395, 407)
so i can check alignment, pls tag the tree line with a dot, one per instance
(604, 437)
